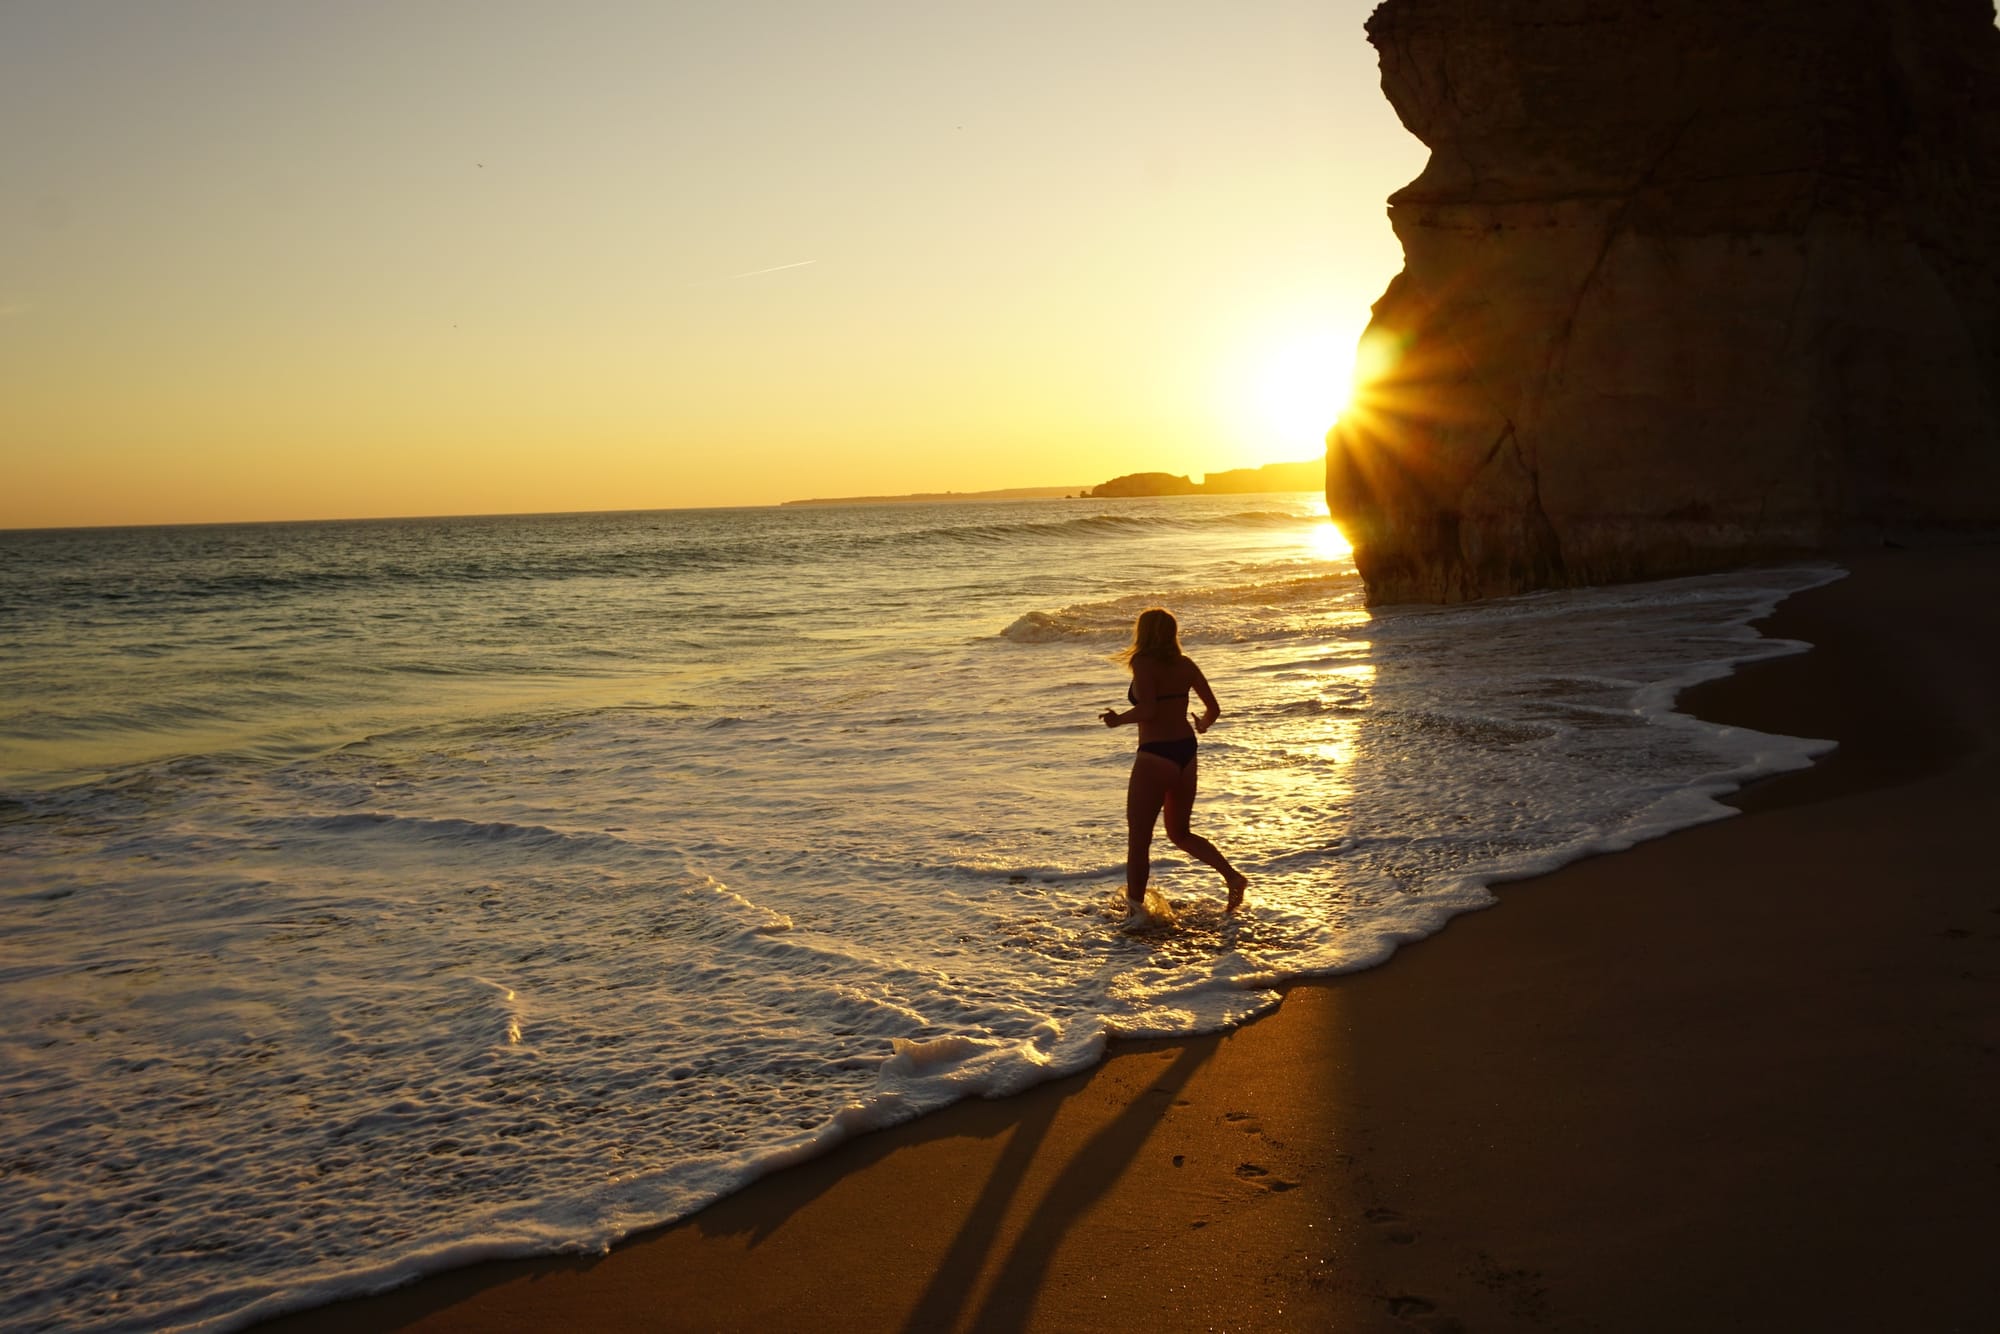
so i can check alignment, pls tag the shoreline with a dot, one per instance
(1721, 1080)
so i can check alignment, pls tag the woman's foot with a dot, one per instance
(1237, 882)
(1151, 912)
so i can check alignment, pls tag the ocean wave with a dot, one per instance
(225, 569)
(1109, 523)
(1042, 873)
(983, 528)
(753, 919)
(1049, 627)
(431, 830)
(147, 588)
(1231, 613)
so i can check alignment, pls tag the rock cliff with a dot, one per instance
(1686, 283)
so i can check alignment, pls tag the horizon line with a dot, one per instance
(948, 497)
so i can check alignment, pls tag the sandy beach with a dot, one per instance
(1721, 1081)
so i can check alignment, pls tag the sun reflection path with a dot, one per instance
(1324, 540)
(1291, 783)
(1328, 542)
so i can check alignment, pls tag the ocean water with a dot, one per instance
(381, 896)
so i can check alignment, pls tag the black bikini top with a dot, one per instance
(1131, 697)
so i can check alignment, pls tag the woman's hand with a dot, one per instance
(1109, 717)
(1204, 721)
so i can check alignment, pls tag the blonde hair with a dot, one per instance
(1156, 635)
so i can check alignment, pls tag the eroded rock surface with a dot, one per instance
(1686, 283)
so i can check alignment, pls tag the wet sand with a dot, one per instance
(1743, 1077)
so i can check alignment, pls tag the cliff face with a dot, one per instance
(1685, 284)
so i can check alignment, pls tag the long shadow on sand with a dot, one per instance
(1012, 1292)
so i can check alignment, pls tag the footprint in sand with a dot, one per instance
(1421, 1314)
(1261, 1176)
(1245, 1122)
(1392, 1224)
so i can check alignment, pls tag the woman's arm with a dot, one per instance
(1206, 719)
(1145, 686)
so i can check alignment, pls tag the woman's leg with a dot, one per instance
(1180, 809)
(1152, 775)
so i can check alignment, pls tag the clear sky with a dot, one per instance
(266, 259)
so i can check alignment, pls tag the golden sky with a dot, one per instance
(285, 260)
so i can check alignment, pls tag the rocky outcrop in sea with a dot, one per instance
(1686, 284)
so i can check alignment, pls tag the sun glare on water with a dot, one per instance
(1329, 543)
(1325, 540)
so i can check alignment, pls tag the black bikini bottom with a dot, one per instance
(1180, 750)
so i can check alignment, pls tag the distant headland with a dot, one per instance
(941, 497)
(1307, 476)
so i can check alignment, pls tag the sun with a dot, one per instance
(1302, 386)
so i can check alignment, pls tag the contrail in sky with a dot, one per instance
(775, 268)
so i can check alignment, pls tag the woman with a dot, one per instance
(1165, 770)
